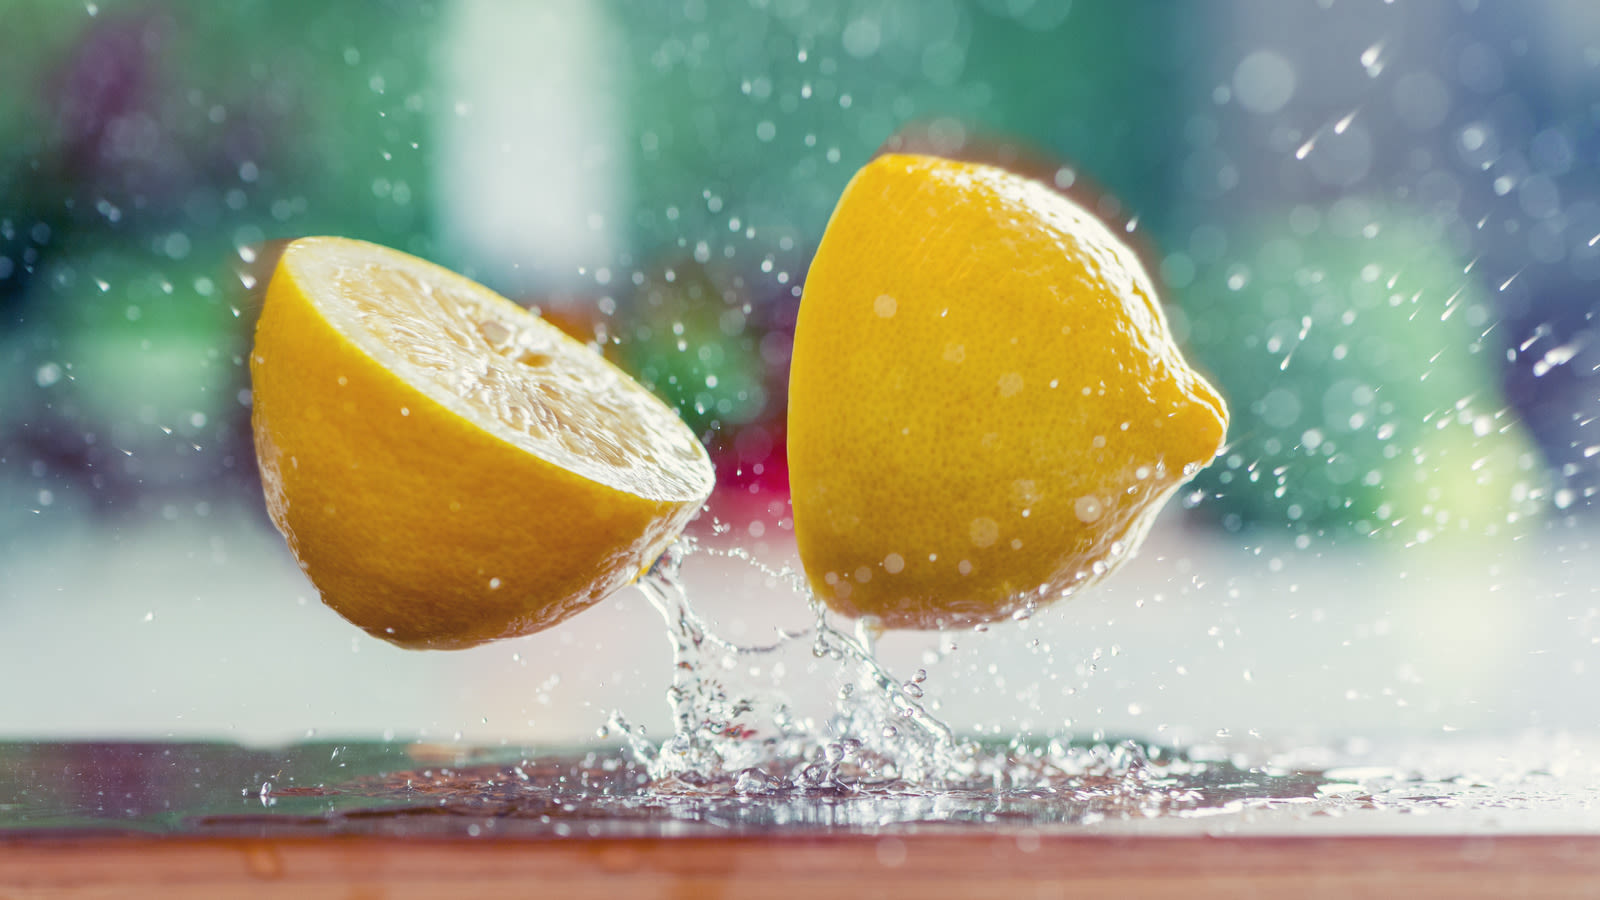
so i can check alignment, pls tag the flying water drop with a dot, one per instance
(1372, 59)
(1305, 329)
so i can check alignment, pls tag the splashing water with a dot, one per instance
(879, 733)
(880, 755)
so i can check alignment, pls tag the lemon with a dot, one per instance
(447, 467)
(986, 408)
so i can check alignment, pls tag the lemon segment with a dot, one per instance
(447, 467)
(986, 407)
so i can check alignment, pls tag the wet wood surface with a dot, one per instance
(977, 864)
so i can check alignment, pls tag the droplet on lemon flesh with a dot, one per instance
(986, 408)
(447, 467)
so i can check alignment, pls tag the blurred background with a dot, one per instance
(1376, 224)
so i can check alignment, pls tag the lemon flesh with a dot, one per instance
(447, 467)
(986, 407)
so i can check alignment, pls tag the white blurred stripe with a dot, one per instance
(531, 163)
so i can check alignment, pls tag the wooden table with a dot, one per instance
(1009, 864)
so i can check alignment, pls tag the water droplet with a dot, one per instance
(1372, 59)
(1088, 508)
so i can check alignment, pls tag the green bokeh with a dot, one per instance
(1358, 364)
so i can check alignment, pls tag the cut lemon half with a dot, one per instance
(447, 467)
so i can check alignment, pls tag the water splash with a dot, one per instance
(603, 793)
(725, 735)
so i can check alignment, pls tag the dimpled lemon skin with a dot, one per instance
(412, 522)
(986, 408)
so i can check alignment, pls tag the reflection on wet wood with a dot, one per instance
(1011, 863)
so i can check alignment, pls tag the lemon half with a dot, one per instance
(447, 467)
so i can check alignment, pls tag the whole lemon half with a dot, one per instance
(986, 407)
(447, 467)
